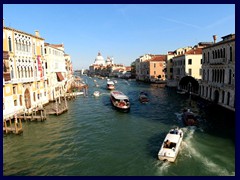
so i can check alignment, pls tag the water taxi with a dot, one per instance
(110, 85)
(96, 93)
(120, 100)
(171, 145)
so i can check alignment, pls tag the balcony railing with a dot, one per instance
(5, 55)
(6, 76)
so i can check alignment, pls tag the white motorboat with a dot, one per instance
(110, 85)
(120, 100)
(96, 93)
(171, 145)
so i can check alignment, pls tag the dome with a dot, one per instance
(99, 59)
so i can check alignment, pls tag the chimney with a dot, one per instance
(37, 33)
(214, 38)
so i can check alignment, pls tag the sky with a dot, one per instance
(121, 31)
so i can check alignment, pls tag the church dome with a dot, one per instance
(99, 60)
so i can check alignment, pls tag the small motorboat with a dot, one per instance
(181, 92)
(96, 93)
(143, 97)
(189, 118)
(171, 145)
(120, 100)
(110, 85)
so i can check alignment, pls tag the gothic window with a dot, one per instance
(223, 94)
(228, 98)
(10, 44)
(230, 77)
(231, 53)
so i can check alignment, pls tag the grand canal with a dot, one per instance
(94, 139)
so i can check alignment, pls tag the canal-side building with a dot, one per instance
(153, 70)
(24, 71)
(56, 71)
(69, 71)
(187, 67)
(141, 67)
(218, 80)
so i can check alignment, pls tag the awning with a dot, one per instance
(60, 76)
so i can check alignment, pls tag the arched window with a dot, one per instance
(31, 72)
(20, 46)
(223, 75)
(22, 71)
(11, 72)
(208, 75)
(230, 77)
(223, 94)
(220, 76)
(18, 72)
(16, 44)
(35, 71)
(218, 53)
(224, 52)
(213, 54)
(25, 69)
(212, 75)
(228, 98)
(10, 44)
(231, 53)
(29, 75)
(221, 53)
(208, 57)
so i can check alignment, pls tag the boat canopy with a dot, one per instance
(119, 95)
(172, 138)
(110, 83)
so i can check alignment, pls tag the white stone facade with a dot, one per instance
(218, 81)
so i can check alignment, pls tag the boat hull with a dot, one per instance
(171, 146)
(120, 101)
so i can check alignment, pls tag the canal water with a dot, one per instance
(94, 139)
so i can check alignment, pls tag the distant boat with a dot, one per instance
(171, 145)
(120, 100)
(77, 93)
(189, 118)
(143, 97)
(96, 93)
(181, 92)
(110, 85)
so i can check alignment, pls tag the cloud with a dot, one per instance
(181, 22)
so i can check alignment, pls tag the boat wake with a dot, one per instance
(162, 167)
(191, 152)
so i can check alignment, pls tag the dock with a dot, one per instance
(12, 127)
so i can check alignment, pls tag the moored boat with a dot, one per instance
(120, 100)
(171, 145)
(110, 85)
(143, 97)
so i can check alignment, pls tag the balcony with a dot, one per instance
(5, 55)
(6, 76)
